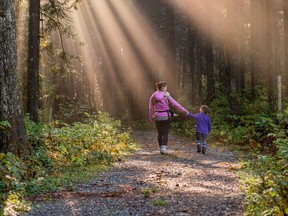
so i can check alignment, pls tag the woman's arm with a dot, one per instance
(151, 107)
(175, 104)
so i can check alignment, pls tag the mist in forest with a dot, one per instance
(124, 54)
(200, 48)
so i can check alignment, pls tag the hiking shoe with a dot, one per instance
(163, 149)
(204, 150)
(198, 149)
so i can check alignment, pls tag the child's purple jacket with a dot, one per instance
(204, 124)
(159, 101)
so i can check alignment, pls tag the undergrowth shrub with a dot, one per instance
(70, 111)
(186, 128)
(267, 193)
(13, 177)
(267, 183)
(98, 139)
(263, 135)
(60, 148)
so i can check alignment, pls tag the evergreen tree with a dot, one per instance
(13, 137)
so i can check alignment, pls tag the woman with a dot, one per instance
(159, 111)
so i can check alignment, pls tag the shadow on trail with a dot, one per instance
(148, 183)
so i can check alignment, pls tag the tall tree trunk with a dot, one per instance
(241, 71)
(209, 66)
(12, 139)
(170, 57)
(192, 62)
(270, 78)
(206, 25)
(227, 79)
(33, 60)
(286, 45)
(199, 71)
(242, 39)
(255, 14)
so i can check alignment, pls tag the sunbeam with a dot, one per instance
(130, 45)
(120, 51)
(223, 17)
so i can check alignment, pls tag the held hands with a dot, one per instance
(185, 112)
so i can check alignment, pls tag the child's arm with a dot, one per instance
(191, 115)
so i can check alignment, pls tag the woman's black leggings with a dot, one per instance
(163, 130)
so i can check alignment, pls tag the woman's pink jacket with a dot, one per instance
(159, 101)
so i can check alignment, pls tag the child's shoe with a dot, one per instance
(163, 149)
(198, 149)
(203, 150)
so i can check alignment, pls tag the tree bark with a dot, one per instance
(12, 139)
(192, 62)
(209, 66)
(271, 78)
(285, 8)
(255, 11)
(32, 103)
(172, 62)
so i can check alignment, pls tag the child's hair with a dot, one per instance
(205, 109)
(161, 85)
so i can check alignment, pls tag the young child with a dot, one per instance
(203, 127)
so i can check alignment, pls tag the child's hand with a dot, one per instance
(183, 111)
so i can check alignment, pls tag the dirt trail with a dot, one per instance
(148, 183)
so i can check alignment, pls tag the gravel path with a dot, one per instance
(148, 183)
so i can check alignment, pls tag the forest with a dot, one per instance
(77, 75)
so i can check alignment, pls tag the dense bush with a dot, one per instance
(267, 193)
(60, 148)
(98, 139)
(267, 182)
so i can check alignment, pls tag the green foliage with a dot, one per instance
(186, 128)
(14, 203)
(5, 128)
(251, 125)
(99, 139)
(72, 111)
(4, 125)
(160, 202)
(13, 173)
(35, 131)
(140, 125)
(63, 154)
(56, 17)
(148, 192)
(267, 185)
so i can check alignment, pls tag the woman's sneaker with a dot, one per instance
(163, 149)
